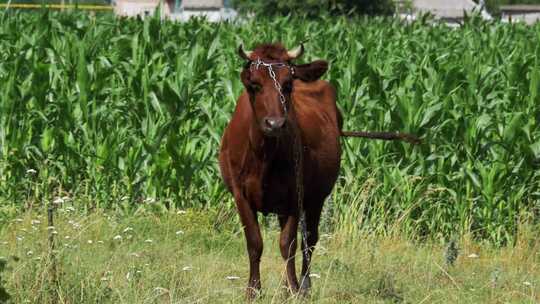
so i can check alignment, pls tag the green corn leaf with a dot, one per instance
(535, 148)
(515, 124)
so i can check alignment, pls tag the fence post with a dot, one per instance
(52, 255)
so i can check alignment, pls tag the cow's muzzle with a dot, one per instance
(272, 126)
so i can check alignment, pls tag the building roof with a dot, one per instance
(202, 4)
(446, 9)
(156, 2)
(520, 8)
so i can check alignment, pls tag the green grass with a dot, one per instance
(94, 265)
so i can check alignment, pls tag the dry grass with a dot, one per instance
(187, 258)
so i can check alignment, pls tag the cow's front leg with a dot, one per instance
(287, 245)
(254, 243)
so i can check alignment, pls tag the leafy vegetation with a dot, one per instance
(96, 2)
(125, 114)
(314, 8)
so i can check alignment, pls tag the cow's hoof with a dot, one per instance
(252, 293)
(305, 286)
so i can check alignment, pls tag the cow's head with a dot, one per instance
(268, 77)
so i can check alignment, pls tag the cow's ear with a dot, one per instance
(311, 71)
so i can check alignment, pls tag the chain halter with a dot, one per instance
(297, 152)
(270, 67)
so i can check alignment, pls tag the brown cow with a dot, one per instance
(286, 127)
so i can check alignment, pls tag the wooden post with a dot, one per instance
(52, 255)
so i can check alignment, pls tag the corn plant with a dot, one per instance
(119, 112)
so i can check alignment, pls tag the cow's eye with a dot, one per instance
(255, 87)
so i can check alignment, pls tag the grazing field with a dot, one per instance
(199, 257)
(115, 123)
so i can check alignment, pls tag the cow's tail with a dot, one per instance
(383, 135)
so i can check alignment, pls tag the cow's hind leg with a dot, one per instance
(287, 245)
(313, 215)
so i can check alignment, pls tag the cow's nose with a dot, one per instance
(274, 123)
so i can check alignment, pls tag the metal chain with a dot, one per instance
(258, 63)
(278, 88)
(299, 171)
(298, 155)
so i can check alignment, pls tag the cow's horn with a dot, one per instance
(244, 54)
(297, 52)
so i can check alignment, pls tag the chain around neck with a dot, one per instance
(270, 67)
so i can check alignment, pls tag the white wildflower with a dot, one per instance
(31, 171)
(29, 253)
(35, 222)
(20, 238)
(232, 278)
(315, 275)
(18, 220)
(70, 209)
(181, 212)
(149, 241)
(58, 201)
(128, 229)
(100, 242)
(527, 283)
(90, 241)
(150, 200)
(187, 268)
(473, 256)
(161, 290)
(117, 237)
(179, 232)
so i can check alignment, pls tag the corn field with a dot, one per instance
(120, 113)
